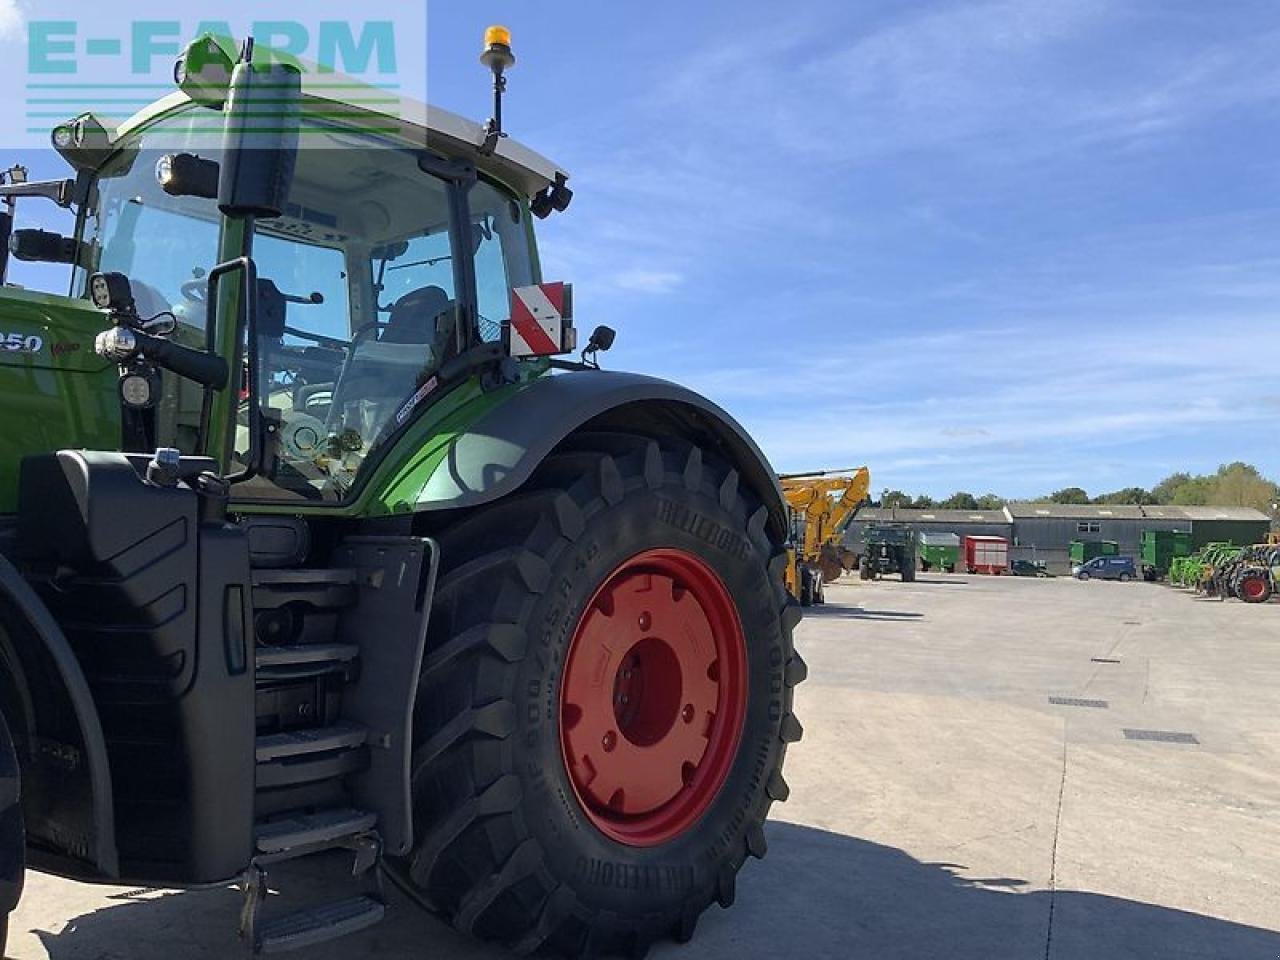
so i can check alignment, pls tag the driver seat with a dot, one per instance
(413, 316)
(381, 374)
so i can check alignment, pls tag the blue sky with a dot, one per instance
(997, 246)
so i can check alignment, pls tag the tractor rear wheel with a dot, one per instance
(12, 836)
(605, 702)
(1254, 587)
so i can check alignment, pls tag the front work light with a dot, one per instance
(111, 291)
(186, 175)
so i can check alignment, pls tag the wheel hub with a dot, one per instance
(653, 697)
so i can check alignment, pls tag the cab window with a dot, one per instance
(360, 270)
(502, 257)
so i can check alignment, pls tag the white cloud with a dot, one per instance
(12, 19)
(640, 280)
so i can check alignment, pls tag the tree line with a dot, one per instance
(1233, 485)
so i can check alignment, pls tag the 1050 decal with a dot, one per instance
(20, 343)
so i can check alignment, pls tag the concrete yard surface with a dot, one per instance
(942, 806)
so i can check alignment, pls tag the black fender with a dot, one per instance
(11, 834)
(499, 451)
(21, 601)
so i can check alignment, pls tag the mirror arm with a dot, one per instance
(61, 192)
(249, 301)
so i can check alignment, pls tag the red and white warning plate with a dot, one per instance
(541, 320)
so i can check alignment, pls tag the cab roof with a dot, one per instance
(512, 163)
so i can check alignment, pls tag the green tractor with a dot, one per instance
(313, 538)
(890, 548)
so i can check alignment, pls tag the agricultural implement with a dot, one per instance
(821, 505)
(1160, 549)
(313, 538)
(939, 551)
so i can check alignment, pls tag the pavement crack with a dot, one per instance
(1053, 859)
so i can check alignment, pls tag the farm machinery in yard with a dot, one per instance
(1223, 570)
(1159, 549)
(821, 505)
(889, 549)
(1200, 570)
(1251, 576)
(312, 538)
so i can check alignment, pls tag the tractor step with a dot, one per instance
(305, 756)
(296, 743)
(323, 588)
(312, 830)
(299, 660)
(306, 928)
(306, 835)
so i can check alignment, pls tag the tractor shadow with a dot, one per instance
(817, 895)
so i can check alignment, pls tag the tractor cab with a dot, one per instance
(364, 268)
(376, 273)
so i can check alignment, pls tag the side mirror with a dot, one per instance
(260, 142)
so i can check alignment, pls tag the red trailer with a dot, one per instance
(986, 555)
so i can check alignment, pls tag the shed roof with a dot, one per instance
(1165, 513)
(1073, 511)
(875, 514)
(1224, 513)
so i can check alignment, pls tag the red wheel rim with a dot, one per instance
(653, 697)
(1253, 588)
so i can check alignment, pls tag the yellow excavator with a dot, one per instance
(820, 504)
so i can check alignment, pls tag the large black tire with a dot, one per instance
(908, 572)
(12, 836)
(505, 849)
(864, 571)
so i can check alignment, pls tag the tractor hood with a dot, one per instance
(55, 392)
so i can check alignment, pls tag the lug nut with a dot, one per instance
(645, 621)
(609, 741)
(687, 713)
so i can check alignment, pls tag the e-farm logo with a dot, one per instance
(57, 47)
(123, 65)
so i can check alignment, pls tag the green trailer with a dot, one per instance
(1159, 548)
(939, 551)
(1082, 551)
